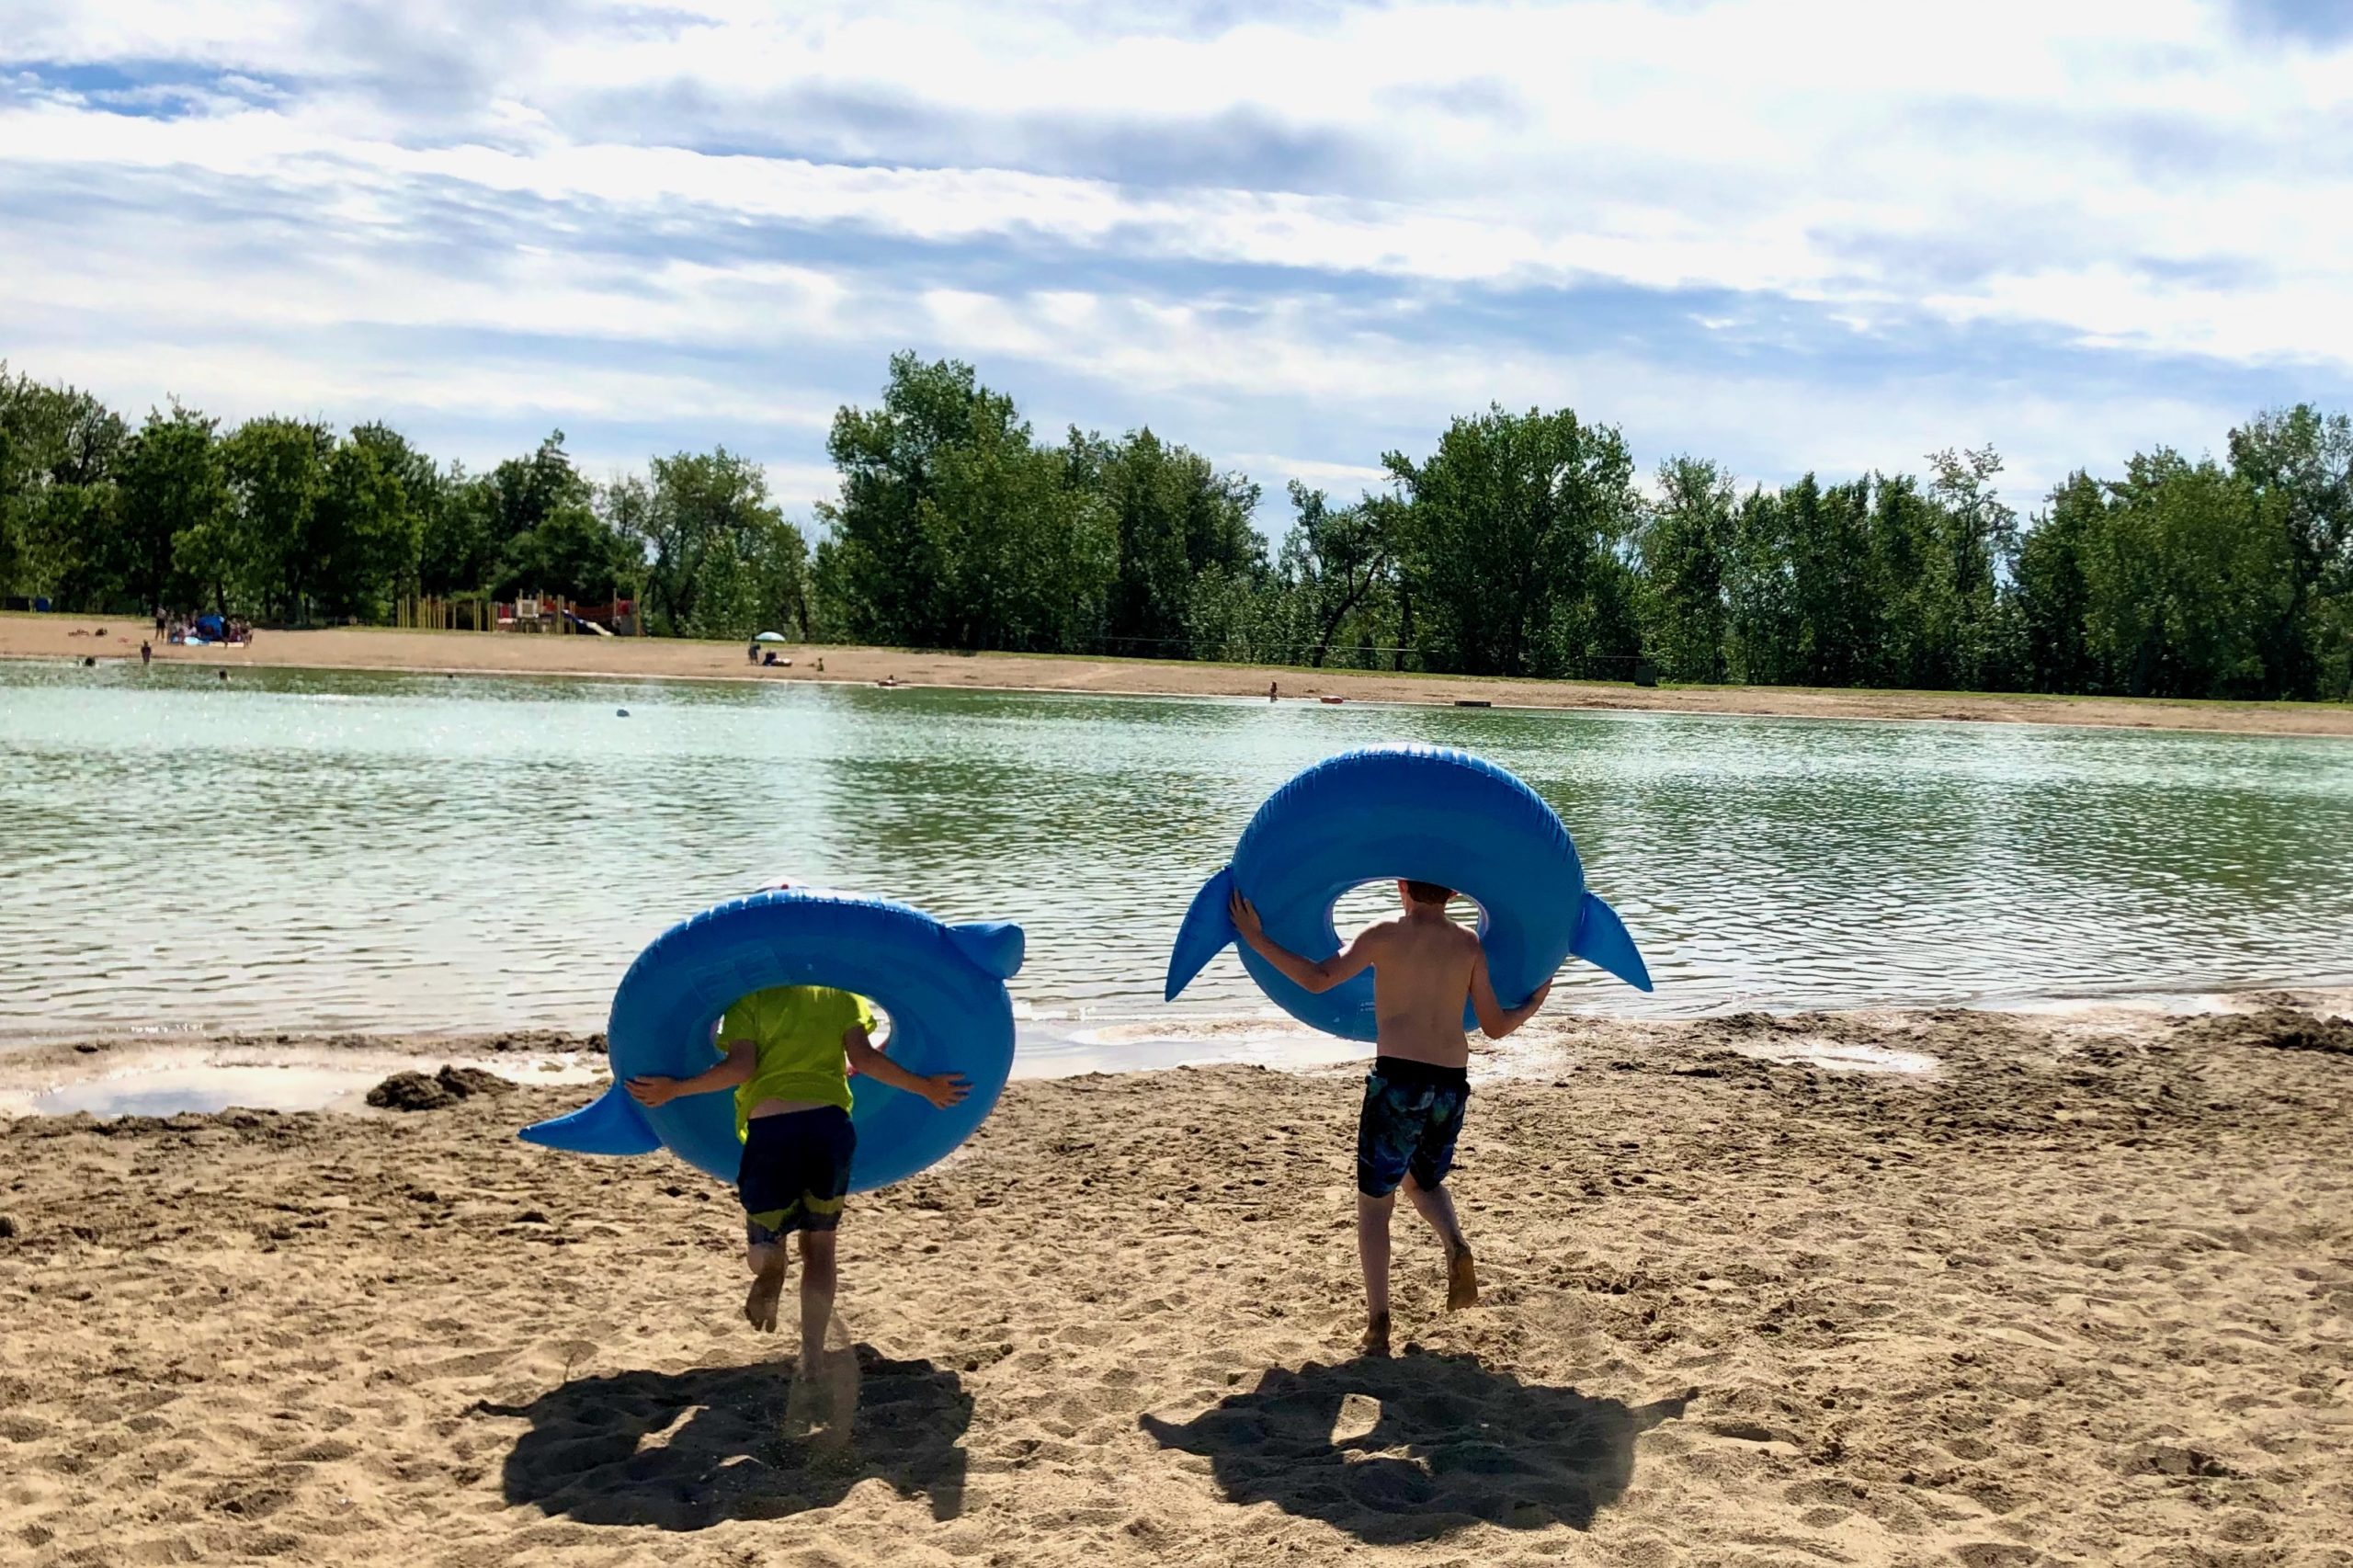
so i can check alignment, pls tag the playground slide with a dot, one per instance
(587, 625)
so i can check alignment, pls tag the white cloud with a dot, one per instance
(2128, 176)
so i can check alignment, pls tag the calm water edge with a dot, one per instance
(310, 850)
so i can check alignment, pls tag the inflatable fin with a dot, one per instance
(614, 1124)
(1208, 929)
(995, 945)
(1602, 941)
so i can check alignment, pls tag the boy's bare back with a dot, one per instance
(1423, 969)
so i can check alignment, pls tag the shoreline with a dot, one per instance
(50, 637)
(2079, 1294)
(298, 1070)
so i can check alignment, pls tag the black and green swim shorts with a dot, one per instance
(795, 1174)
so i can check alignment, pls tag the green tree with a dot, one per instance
(1026, 558)
(270, 555)
(366, 529)
(571, 551)
(1829, 545)
(2184, 579)
(1970, 642)
(758, 582)
(1518, 522)
(705, 527)
(60, 450)
(173, 484)
(458, 539)
(524, 491)
(1176, 516)
(1336, 564)
(1766, 643)
(1687, 543)
(1239, 616)
(2048, 588)
(2299, 464)
(883, 561)
(955, 529)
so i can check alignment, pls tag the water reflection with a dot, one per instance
(317, 850)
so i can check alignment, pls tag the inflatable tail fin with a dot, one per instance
(995, 945)
(1207, 930)
(614, 1124)
(1602, 940)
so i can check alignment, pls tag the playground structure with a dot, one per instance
(532, 613)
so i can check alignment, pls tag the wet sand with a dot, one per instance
(2079, 1293)
(52, 637)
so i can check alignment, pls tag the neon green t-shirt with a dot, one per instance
(798, 1030)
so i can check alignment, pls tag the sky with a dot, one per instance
(1791, 236)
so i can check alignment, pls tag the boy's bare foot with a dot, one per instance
(821, 1402)
(767, 1285)
(1376, 1335)
(803, 1404)
(1462, 1280)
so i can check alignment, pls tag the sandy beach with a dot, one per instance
(2077, 1288)
(55, 637)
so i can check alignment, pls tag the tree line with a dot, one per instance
(1523, 544)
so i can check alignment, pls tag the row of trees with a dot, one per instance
(1522, 545)
(283, 520)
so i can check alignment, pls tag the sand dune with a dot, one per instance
(2083, 1294)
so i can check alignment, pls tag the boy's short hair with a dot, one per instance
(1426, 893)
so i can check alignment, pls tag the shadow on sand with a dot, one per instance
(1415, 1447)
(684, 1450)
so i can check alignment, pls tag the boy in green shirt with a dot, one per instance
(789, 1052)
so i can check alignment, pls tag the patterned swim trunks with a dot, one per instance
(1413, 1114)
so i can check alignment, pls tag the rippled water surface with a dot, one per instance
(310, 850)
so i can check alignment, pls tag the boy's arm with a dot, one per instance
(1495, 1020)
(942, 1089)
(1349, 962)
(742, 1058)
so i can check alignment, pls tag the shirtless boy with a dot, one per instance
(1423, 965)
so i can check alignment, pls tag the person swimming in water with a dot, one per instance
(1424, 967)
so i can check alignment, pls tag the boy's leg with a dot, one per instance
(766, 1253)
(1386, 1142)
(1433, 1204)
(818, 1280)
(1426, 1188)
(1372, 1251)
(833, 1144)
(766, 1210)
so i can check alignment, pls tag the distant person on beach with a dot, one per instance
(146, 654)
(1270, 692)
(1424, 966)
(788, 1055)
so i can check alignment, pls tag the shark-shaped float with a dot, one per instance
(1425, 814)
(942, 987)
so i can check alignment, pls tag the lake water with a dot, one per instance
(303, 851)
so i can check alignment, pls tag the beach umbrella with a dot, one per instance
(771, 637)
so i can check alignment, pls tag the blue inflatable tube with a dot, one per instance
(943, 987)
(1423, 813)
